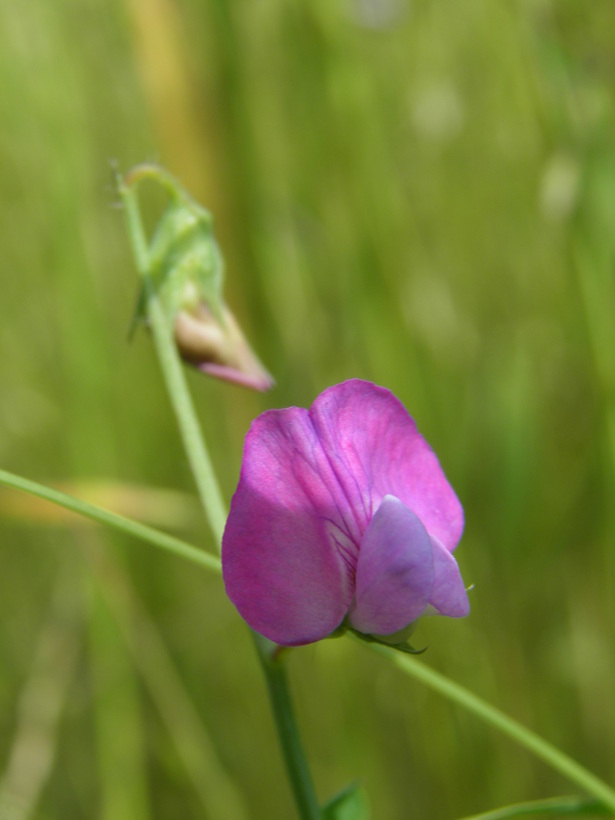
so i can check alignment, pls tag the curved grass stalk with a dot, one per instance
(525, 737)
(557, 806)
(119, 522)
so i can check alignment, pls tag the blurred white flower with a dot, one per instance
(437, 112)
(559, 187)
(432, 315)
(378, 14)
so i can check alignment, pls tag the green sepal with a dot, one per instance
(185, 260)
(349, 804)
(392, 641)
(339, 632)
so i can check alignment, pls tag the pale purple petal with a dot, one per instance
(395, 572)
(449, 596)
(375, 449)
(257, 381)
(286, 556)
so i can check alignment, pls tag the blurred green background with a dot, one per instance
(416, 192)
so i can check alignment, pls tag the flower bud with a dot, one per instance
(218, 347)
(187, 271)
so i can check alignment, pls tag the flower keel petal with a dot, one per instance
(449, 596)
(395, 573)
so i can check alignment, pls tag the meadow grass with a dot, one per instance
(417, 193)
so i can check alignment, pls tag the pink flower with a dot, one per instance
(217, 347)
(342, 518)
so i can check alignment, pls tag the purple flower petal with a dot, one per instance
(286, 557)
(375, 450)
(395, 571)
(449, 596)
(341, 511)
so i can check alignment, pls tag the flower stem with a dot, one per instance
(288, 733)
(211, 497)
(194, 444)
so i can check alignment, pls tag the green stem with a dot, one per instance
(288, 733)
(194, 444)
(118, 522)
(555, 758)
(211, 498)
